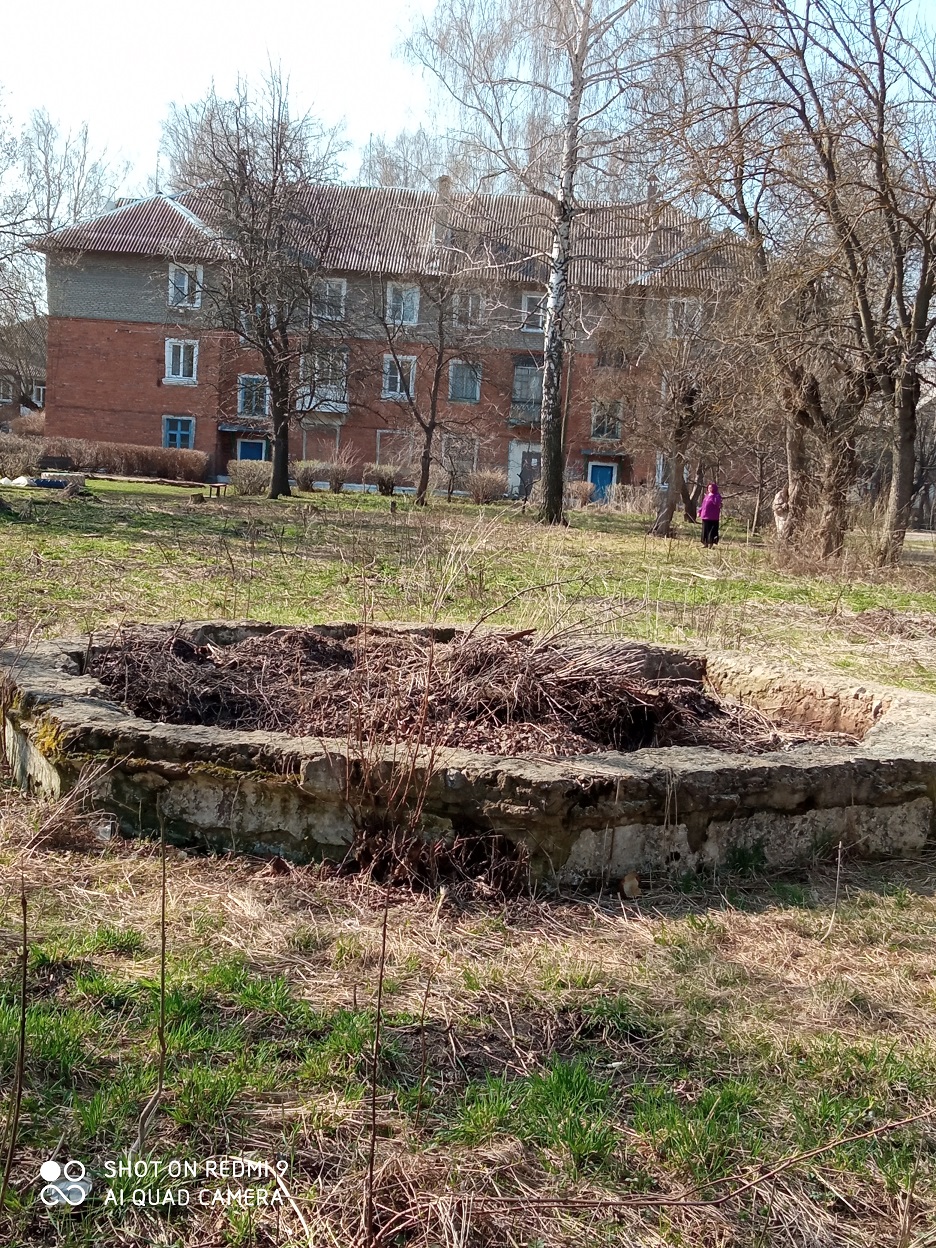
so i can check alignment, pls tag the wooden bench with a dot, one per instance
(218, 489)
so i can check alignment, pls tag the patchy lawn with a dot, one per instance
(148, 553)
(679, 1048)
(736, 1061)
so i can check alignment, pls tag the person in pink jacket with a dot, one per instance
(710, 514)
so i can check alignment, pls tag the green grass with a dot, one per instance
(618, 1050)
(553, 1048)
(138, 552)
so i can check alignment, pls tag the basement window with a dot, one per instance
(179, 432)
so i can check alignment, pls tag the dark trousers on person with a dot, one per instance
(709, 532)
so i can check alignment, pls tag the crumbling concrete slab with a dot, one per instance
(589, 818)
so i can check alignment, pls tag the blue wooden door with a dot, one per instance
(602, 478)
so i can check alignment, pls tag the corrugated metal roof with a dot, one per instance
(393, 231)
(159, 227)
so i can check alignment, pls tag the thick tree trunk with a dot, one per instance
(838, 476)
(552, 425)
(279, 480)
(425, 467)
(797, 480)
(673, 484)
(903, 471)
(691, 498)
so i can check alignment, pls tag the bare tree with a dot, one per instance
(48, 178)
(433, 367)
(257, 166)
(539, 91)
(812, 127)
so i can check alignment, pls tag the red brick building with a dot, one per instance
(135, 353)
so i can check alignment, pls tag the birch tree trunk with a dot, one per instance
(552, 424)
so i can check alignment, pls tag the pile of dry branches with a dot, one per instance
(498, 694)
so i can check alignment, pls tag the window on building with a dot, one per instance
(324, 374)
(394, 446)
(181, 362)
(6, 389)
(611, 357)
(683, 317)
(466, 307)
(527, 395)
(464, 382)
(459, 457)
(179, 432)
(253, 395)
(606, 420)
(37, 393)
(402, 304)
(185, 285)
(328, 301)
(534, 312)
(399, 376)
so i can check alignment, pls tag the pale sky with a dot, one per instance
(119, 64)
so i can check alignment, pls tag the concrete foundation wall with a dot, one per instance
(588, 818)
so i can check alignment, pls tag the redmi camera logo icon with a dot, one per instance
(64, 1185)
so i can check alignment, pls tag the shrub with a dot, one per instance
(129, 460)
(336, 471)
(250, 476)
(582, 492)
(385, 476)
(341, 469)
(31, 426)
(306, 472)
(486, 487)
(19, 457)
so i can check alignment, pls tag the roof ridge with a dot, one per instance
(191, 217)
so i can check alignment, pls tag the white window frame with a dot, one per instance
(254, 441)
(325, 282)
(476, 369)
(241, 378)
(319, 396)
(195, 274)
(169, 379)
(408, 293)
(37, 393)
(606, 404)
(6, 390)
(398, 362)
(167, 445)
(462, 300)
(533, 302)
(690, 314)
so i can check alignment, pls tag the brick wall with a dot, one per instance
(105, 382)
